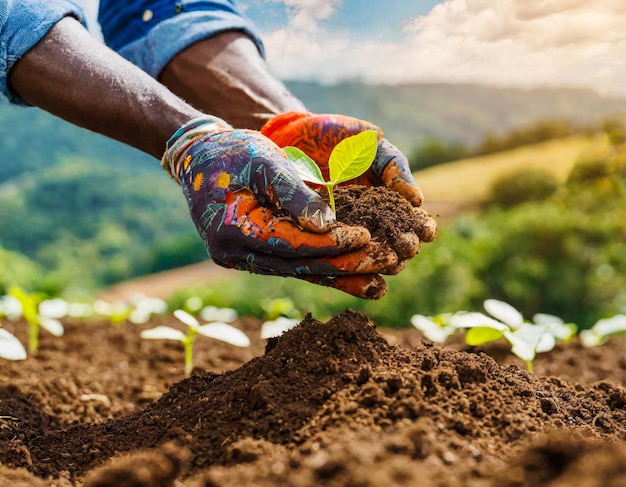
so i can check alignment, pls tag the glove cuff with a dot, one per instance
(184, 137)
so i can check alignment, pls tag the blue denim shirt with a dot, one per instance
(150, 33)
(147, 32)
(22, 25)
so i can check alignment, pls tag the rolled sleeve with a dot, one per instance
(23, 23)
(150, 33)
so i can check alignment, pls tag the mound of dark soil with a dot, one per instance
(326, 404)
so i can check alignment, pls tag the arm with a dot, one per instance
(225, 75)
(72, 75)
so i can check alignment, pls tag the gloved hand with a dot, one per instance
(317, 135)
(254, 213)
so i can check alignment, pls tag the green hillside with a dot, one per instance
(468, 181)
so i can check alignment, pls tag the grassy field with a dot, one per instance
(468, 181)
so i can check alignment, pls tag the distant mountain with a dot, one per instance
(408, 114)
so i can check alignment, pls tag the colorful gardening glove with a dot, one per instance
(254, 213)
(317, 135)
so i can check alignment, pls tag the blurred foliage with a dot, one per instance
(17, 269)
(454, 113)
(89, 224)
(534, 133)
(435, 151)
(522, 186)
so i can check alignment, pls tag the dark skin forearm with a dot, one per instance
(73, 76)
(226, 76)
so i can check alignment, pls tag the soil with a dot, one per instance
(340, 403)
(336, 403)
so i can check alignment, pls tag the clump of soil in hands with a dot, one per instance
(387, 215)
(396, 227)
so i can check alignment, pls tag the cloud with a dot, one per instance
(502, 42)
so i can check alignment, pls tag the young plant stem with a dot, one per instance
(529, 366)
(188, 344)
(331, 197)
(33, 337)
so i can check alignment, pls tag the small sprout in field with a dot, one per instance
(35, 318)
(213, 313)
(193, 304)
(143, 307)
(10, 346)
(526, 339)
(275, 308)
(80, 310)
(216, 330)
(54, 308)
(436, 329)
(117, 312)
(349, 159)
(277, 327)
(602, 330)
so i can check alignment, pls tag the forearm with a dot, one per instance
(72, 75)
(226, 76)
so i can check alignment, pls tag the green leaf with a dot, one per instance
(481, 335)
(306, 167)
(353, 156)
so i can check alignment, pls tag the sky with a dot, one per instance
(519, 43)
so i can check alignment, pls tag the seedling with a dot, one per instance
(275, 308)
(602, 330)
(117, 312)
(218, 330)
(348, 160)
(34, 318)
(143, 307)
(526, 339)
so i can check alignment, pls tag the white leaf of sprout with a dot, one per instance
(277, 327)
(10, 347)
(50, 312)
(474, 319)
(226, 333)
(51, 325)
(529, 339)
(105, 308)
(213, 313)
(602, 330)
(432, 330)
(10, 307)
(145, 307)
(555, 326)
(504, 312)
(163, 333)
(56, 308)
(80, 310)
(219, 331)
(186, 318)
(546, 319)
